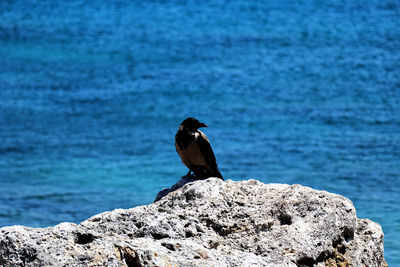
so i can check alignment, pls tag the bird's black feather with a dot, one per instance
(209, 156)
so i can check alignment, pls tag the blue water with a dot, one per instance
(91, 94)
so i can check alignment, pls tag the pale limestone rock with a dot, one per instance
(209, 223)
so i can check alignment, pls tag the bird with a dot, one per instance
(195, 150)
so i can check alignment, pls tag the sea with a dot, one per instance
(298, 92)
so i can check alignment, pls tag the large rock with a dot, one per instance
(209, 223)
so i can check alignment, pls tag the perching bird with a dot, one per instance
(195, 150)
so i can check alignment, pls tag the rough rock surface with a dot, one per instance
(209, 223)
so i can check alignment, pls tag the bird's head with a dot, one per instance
(192, 124)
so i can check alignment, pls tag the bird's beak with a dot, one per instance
(203, 125)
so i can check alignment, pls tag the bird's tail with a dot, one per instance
(218, 174)
(203, 173)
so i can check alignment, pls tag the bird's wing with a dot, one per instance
(207, 153)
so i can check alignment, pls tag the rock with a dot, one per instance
(184, 180)
(209, 223)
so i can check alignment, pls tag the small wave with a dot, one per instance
(13, 149)
(48, 196)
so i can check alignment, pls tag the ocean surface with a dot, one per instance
(298, 92)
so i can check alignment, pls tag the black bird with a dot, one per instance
(195, 150)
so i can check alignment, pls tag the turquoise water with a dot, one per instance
(91, 95)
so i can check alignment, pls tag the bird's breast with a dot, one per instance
(191, 155)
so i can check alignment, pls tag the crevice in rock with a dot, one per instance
(305, 261)
(323, 256)
(348, 234)
(214, 243)
(84, 238)
(189, 233)
(331, 259)
(285, 219)
(28, 255)
(308, 261)
(138, 225)
(84, 258)
(131, 257)
(168, 246)
(219, 229)
(159, 236)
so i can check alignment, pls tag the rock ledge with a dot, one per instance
(209, 223)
